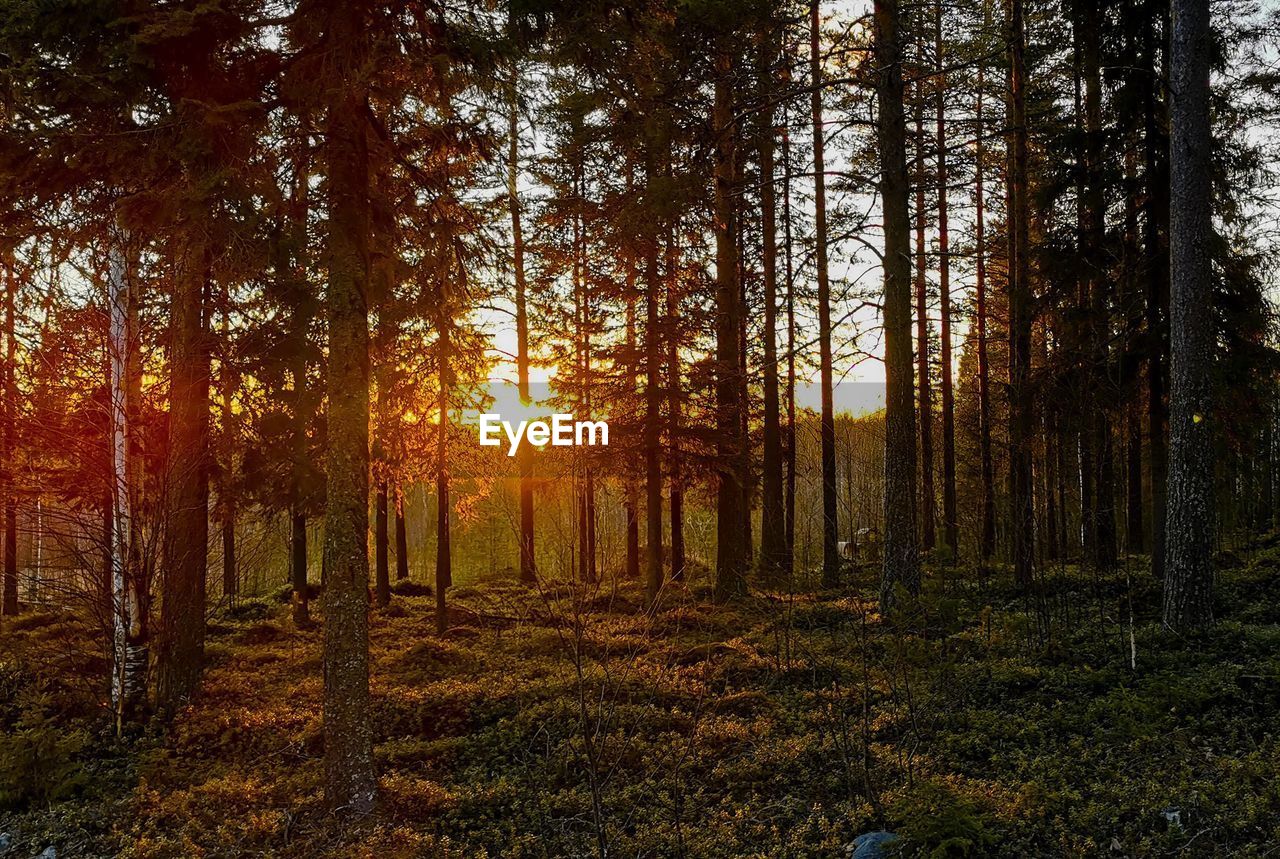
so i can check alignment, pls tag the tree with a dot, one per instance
(773, 555)
(830, 549)
(731, 549)
(1021, 400)
(1188, 587)
(901, 563)
(348, 734)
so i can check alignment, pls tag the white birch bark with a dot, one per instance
(118, 345)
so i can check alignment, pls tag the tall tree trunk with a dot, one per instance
(1020, 309)
(1134, 540)
(528, 567)
(950, 516)
(631, 498)
(830, 533)
(789, 497)
(1156, 241)
(350, 783)
(652, 385)
(901, 551)
(673, 408)
(1094, 234)
(444, 506)
(180, 650)
(227, 493)
(987, 539)
(731, 551)
(772, 525)
(1188, 586)
(299, 330)
(924, 386)
(127, 686)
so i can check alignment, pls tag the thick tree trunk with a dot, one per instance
(901, 551)
(1188, 586)
(180, 650)
(731, 551)
(350, 783)
(830, 532)
(1020, 309)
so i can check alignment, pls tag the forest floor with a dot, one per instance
(571, 723)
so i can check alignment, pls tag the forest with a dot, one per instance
(639, 428)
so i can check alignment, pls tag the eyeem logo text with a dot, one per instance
(563, 431)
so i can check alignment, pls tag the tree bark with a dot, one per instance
(1020, 309)
(987, 540)
(381, 544)
(1155, 239)
(924, 386)
(528, 567)
(673, 410)
(731, 553)
(350, 783)
(950, 516)
(772, 524)
(1188, 586)
(830, 532)
(901, 562)
(180, 648)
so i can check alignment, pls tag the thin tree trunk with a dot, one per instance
(402, 538)
(381, 541)
(350, 783)
(950, 516)
(731, 553)
(673, 409)
(528, 567)
(789, 497)
(772, 524)
(901, 551)
(227, 499)
(652, 391)
(987, 540)
(444, 506)
(1156, 238)
(10, 599)
(830, 533)
(1099, 397)
(1020, 309)
(118, 524)
(924, 387)
(1188, 585)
